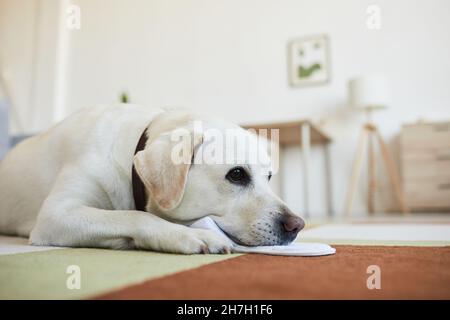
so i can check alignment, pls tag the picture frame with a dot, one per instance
(309, 61)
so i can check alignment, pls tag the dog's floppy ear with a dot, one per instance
(163, 167)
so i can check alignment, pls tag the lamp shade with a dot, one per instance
(368, 92)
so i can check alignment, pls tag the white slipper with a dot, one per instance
(293, 249)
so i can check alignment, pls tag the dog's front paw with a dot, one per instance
(200, 241)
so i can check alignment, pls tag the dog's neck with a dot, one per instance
(139, 193)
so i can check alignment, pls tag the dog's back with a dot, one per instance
(28, 172)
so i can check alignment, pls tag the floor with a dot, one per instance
(393, 243)
(405, 273)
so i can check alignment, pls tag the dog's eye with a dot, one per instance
(269, 176)
(238, 176)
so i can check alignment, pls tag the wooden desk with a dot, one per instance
(305, 134)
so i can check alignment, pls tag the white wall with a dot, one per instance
(29, 60)
(17, 19)
(228, 57)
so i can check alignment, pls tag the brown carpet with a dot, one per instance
(406, 273)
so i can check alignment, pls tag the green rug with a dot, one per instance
(43, 275)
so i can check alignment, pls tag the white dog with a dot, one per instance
(82, 184)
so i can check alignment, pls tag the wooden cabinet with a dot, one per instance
(425, 159)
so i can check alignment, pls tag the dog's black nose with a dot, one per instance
(292, 223)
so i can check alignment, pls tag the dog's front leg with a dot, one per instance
(70, 217)
(120, 229)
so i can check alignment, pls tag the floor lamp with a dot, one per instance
(368, 94)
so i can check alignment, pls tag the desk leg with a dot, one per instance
(306, 148)
(328, 181)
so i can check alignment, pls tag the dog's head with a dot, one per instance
(221, 171)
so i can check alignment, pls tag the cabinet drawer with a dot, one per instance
(425, 171)
(426, 154)
(425, 164)
(436, 135)
(428, 195)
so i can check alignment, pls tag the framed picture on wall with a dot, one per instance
(309, 62)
